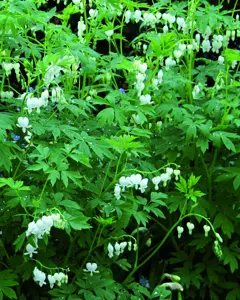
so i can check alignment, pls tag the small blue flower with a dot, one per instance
(30, 89)
(144, 282)
(122, 91)
(18, 109)
(15, 137)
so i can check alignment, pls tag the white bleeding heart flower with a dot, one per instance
(30, 250)
(117, 248)
(190, 227)
(156, 180)
(23, 122)
(110, 250)
(135, 179)
(164, 178)
(123, 245)
(176, 173)
(169, 171)
(145, 99)
(180, 230)
(206, 229)
(39, 277)
(91, 267)
(143, 185)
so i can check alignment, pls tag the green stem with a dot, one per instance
(43, 189)
(210, 177)
(70, 249)
(137, 253)
(91, 247)
(128, 278)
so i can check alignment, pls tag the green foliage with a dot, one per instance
(119, 150)
(7, 281)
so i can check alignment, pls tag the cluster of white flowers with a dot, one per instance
(135, 180)
(40, 278)
(165, 177)
(150, 19)
(34, 102)
(141, 68)
(168, 19)
(54, 69)
(190, 227)
(58, 95)
(6, 94)
(118, 249)
(8, 67)
(57, 278)
(41, 227)
(181, 24)
(217, 43)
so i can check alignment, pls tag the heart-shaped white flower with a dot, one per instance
(91, 267)
(190, 227)
(23, 122)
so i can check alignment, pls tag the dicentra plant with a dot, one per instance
(119, 149)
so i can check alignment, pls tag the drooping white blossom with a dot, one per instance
(39, 277)
(176, 173)
(156, 180)
(137, 15)
(92, 268)
(23, 123)
(123, 245)
(110, 250)
(143, 185)
(117, 191)
(220, 60)
(206, 229)
(127, 16)
(190, 227)
(30, 250)
(145, 99)
(165, 178)
(109, 33)
(180, 230)
(206, 46)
